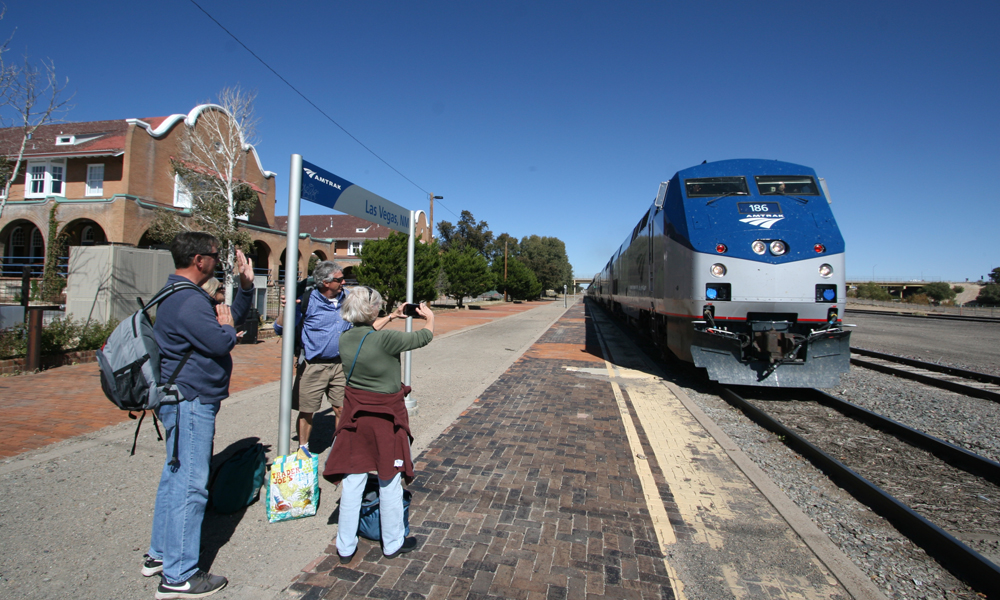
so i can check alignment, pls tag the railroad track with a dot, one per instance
(963, 561)
(970, 383)
(889, 313)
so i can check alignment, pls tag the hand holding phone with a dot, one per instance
(410, 310)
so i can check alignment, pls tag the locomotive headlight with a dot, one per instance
(778, 247)
(759, 247)
(825, 270)
(718, 270)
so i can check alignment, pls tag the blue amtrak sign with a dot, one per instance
(324, 188)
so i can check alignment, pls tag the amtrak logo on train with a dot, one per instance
(760, 214)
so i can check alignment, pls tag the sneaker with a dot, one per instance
(199, 585)
(346, 560)
(151, 566)
(409, 545)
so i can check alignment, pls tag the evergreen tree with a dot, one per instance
(467, 234)
(468, 273)
(520, 283)
(383, 267)
(546, 257)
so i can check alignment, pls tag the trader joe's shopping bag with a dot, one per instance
(293, 487)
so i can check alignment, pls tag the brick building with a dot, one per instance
(109, 178)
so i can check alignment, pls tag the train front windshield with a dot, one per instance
(716, 186)
(775, 185)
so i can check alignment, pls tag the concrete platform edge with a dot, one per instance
(857, 584)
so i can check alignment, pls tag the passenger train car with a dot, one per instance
(738, 267)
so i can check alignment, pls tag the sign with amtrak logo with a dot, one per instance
(323, 187)
(760, 214)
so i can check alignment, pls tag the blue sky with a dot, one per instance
(561, 118)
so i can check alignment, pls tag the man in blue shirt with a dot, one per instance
(189, 321)
(319, 372)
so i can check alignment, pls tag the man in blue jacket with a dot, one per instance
(186, 321)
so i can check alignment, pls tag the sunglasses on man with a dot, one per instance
(214, 255)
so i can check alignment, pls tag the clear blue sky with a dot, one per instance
(561, 118)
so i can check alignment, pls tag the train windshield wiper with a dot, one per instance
(725, 195)
(802, 200)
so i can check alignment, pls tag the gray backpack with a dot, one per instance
(130, 364)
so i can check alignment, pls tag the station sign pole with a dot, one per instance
(291, 279)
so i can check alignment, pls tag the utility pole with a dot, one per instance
(430, 215)
(505, 271)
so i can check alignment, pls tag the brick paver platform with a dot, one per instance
(64, 402)
(530, 494)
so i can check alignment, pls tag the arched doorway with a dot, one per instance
(23, 245)
(148, 242)
(281, 267)
(261, 257)
(84, 232)
(315, 258)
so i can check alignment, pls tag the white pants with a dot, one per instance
(390, 499)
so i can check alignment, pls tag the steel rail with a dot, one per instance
(954, 386)
(956, 456)
(889, 313)
(958, 558)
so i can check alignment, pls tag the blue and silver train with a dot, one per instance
(738, 267)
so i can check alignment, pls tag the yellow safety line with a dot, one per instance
(661, 522)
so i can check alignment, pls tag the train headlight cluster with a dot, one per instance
(718, 270)
(825, 270)
(778, 247)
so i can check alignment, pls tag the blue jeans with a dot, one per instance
(183, 491)
(390, 510)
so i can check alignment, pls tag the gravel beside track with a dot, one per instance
(961, 503)
(896, 565)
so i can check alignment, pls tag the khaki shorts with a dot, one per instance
(313, 381)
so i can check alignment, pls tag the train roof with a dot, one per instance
(744, 166)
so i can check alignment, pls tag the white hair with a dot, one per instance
(362, 306)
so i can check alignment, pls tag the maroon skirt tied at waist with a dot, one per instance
(373, 434)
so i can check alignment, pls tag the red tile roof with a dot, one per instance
(338, 227)
(110, 139)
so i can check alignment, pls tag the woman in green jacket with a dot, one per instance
(373, 433)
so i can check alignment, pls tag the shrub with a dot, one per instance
(873, 291)
(14, 341)
(62, 335)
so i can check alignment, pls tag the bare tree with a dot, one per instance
(29, 98)
(213, 154)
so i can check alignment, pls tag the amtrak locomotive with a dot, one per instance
(738, 267)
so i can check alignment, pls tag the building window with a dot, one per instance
(87, 236)
(46, 179)
(95, 180)
(354, 248)
(182, 195)
(37, 243)
(17, 241)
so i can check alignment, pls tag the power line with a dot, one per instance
(313, 104)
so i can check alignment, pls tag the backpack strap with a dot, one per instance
(175, 461)
(165, 292)
(355, 363)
